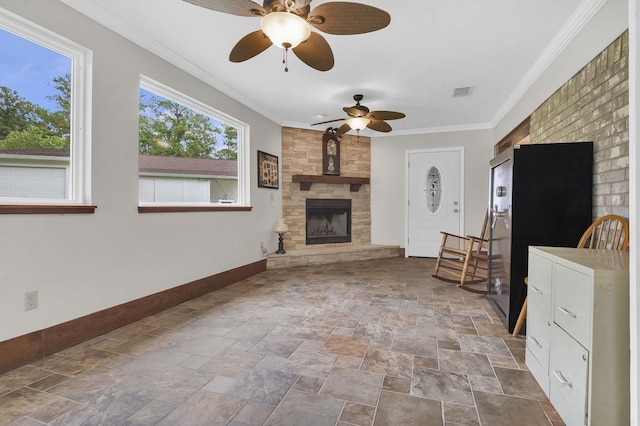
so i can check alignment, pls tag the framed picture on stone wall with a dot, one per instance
(267, 171)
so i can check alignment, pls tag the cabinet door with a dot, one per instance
(537, 354)
(537, 359)
(538, 308)
(539, 289)
(568, 376)
(572, 301)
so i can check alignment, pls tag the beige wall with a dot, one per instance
(389, 181)
(80, 264)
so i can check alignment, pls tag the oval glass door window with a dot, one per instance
(434, 189)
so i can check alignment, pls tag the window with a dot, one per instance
(44, 92)
(189, 153)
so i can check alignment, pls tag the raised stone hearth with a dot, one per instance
(329, 253)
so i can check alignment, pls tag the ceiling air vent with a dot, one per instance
(461, 91)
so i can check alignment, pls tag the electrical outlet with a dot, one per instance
(30, 300)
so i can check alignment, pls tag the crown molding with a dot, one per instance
(441, 129)
(576, 23)
(372, 134)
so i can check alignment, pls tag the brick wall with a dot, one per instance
(594, 106)
(302, 154)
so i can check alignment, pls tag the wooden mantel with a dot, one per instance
(306, 181)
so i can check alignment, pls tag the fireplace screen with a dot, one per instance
(328, 221)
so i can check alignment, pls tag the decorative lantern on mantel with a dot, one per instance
(331, 152)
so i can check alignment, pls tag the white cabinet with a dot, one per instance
(578, 332)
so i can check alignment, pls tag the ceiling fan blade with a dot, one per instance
(379, 126)
(385, 115)
(249, 46)
(343, 129)
(344, 18)
(329, 121)
(354, 111)
(233, 7)
(315, 52)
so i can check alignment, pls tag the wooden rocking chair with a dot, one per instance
(464, 260)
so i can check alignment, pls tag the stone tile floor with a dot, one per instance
(365, 343)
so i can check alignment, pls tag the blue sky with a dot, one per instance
(29, 69)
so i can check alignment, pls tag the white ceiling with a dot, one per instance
(498, 47)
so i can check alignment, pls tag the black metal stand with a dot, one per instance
(280, 244)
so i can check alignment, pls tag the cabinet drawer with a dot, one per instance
(572, 294)
(538, 336)
(538, 371)
(539, 289)
(568, 377)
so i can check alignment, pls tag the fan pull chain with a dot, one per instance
(285, 56)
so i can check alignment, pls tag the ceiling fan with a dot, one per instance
(286, 24)
(360, 117)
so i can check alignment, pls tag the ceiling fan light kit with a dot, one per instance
(285, 29)
(358, 123)
(360, 117)
(287, 24)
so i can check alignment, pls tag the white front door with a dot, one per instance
(434, 204)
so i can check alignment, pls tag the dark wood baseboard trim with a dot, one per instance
(34, 346)
(401, 252)
(20, 351)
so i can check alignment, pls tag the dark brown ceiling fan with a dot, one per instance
(286, 24)
(360, 117)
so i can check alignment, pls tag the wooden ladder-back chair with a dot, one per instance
(464, 260)
(610, 232)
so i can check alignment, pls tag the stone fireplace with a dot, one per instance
(328, 221)
(302, 155)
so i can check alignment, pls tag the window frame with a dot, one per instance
(79, 186)
(243, 130)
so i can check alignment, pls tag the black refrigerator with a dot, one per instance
(541, 195)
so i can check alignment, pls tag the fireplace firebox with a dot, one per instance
(328, 221)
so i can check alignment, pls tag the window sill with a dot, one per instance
(45, 209)
(181, 209)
